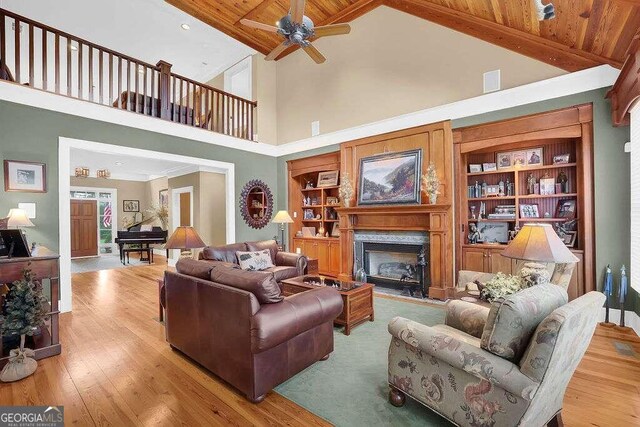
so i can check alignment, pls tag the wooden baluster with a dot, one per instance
(119, 93)
(17, 49)
(181, 100)
(144, 91)
(31, 57)
(174, 101)
(80, 94)
(189, 107)
(69, 75)
(153, 93)
(110, 96)
(207, 111)
(136, 97)
(164, 90)
(90, 73)
(129, 97)
(3, 40)
(101, 76)
(45, 77)
(56, 55)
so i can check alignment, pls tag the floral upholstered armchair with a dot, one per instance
(504, 366)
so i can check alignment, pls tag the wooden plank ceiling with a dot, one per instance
(584, 33)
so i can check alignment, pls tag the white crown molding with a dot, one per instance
(556, 87)
(568, 84)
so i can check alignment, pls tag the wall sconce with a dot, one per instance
(82, 172)
(103, 173)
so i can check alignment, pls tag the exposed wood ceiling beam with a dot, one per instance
(626, 90)
(544, 50)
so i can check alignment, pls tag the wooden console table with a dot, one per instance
(44, 266)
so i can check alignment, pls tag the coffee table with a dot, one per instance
(357, 297)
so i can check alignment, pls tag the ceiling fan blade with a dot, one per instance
(314, 53)
(259, 25)
(297, 10)
(277, 51)
(332, 30)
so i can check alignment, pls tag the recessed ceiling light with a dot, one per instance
(205, 63)
(185, 27)
(118, 163)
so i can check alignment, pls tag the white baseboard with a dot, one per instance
(631, 318)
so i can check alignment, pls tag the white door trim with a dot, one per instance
(64, 187)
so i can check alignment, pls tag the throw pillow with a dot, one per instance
(255, 261)
(513, 319)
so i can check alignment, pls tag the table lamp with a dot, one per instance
(18, 218)
(539, 243)
(185, 239)
(282, 218)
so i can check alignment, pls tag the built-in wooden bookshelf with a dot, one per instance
(305, 197)
(556, 133)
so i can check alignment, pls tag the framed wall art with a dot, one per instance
(388, 179)
(131, 205)
(328, 179)
(28, 177)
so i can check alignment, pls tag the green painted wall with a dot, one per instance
(612, 175)
(31, 134)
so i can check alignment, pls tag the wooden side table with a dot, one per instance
(45, 266)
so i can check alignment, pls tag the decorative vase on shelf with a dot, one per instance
(431, 183)
(433, 198)
(346, 190)
(361, 276)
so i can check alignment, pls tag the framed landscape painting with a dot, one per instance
(390, 179)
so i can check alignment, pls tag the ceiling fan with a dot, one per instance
(297, 29)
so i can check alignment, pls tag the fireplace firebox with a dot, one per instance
(397, 260)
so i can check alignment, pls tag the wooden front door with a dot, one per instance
(84, 228)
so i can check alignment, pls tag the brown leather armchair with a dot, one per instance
(286, 264)
(243, 330)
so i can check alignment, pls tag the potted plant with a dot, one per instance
(26, 310)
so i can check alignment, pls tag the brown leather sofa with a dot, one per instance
(287, 264)
(237, 324)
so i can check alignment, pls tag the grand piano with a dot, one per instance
(134, 236)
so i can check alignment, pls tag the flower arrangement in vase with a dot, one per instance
(346, 190)
(431, 183)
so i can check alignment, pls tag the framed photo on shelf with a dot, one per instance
(570, 238)
(519, 158)
(488, 167)
(473, 168)
(308, 231)
(547, 186)
(504, 160)
(28, 177)
(308, 214)
(529, 211)
(328, 179)
(131, 205)
(390, 179)
(566, 209)
(561, 159)
(493, 232)
(534, 157)
(335, 230)
(333, 200)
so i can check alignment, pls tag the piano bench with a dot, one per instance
(148, 251)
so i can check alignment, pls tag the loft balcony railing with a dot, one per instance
(44, 58)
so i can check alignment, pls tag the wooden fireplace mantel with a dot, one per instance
(434, 219)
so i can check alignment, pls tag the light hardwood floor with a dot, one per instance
(117, 369)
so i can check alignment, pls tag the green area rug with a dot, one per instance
(350, 389)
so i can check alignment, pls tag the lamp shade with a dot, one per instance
(184, 238)
(18, 218)
(540, 243)
(282, 217)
